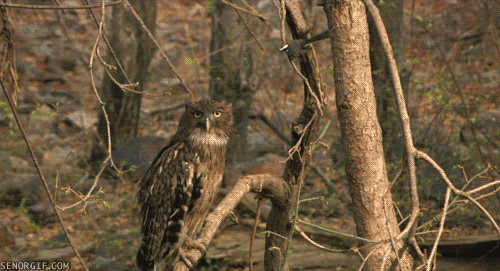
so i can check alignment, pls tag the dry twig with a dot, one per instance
(249, 11)
(160, 49)
(11, 5)
(42, 178)
(265, 185)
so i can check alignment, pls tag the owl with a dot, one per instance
(180, 185)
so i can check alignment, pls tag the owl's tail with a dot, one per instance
(142, 263)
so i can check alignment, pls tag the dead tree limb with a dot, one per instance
(281, 218)
(269, 186)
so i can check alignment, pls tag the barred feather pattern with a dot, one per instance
(179, 187)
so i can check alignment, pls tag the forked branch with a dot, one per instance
(266, 185)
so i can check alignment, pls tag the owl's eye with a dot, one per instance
(217, 114)
(197, 114)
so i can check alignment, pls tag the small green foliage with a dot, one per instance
(210, 6)
(25, 212)
(377, 72)
(35, 112)
(55, 107)
(4, 117)
(424, 22)
(190, 60)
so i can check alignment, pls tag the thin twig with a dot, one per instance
(252, 11)
(160, 49)
(312, 242)
(250, 30)
(110, 48)
(10, 5)
(456, 191)
(306, 81)
(254, 230)
(440, 231)
(95, 51)
(42, 177)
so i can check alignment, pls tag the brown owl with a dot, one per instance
(180, 185)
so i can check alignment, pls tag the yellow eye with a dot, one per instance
(197, 114)
(217, 114)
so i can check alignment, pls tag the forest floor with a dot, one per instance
(58, 109)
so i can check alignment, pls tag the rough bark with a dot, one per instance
(362, 137)
(134, 50)
(231, 70)
(281, 216)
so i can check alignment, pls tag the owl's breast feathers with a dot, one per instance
(175, 195)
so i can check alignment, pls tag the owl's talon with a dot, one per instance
(198, 245)
(186, 258)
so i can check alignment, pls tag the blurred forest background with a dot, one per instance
(448, 54)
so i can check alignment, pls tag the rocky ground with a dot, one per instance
(58, 109)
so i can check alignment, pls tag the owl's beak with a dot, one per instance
(207, 123)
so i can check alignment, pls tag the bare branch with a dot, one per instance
(10, 5)
(457, 191)
(160, 49)
(403, 115)
(249, 11)
(312, 242)
(42, 178)
(440, 231)
(266, 185)
(254, 230)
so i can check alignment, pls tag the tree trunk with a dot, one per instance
(134, 50)
(231, 70)
(361, 135)
(305, 128)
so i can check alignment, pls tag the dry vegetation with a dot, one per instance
(450, 47)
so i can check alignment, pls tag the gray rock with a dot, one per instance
(138, 152)
(486, 127)
(82, 119)
(57, 156)
(57, 241)
(41, 49)
(17, 163)
(42, 213)
(15, 189)
(34, 32)
(258, 145)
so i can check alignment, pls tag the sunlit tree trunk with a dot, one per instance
(362, 136)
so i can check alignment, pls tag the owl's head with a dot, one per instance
(207, 122)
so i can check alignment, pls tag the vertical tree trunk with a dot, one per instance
(134, 50)
(279, 220)
(231, 70)
(361, 135)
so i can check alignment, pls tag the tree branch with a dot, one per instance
(266, 185)
(10, 5)
(42, 178)
(403, 115)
